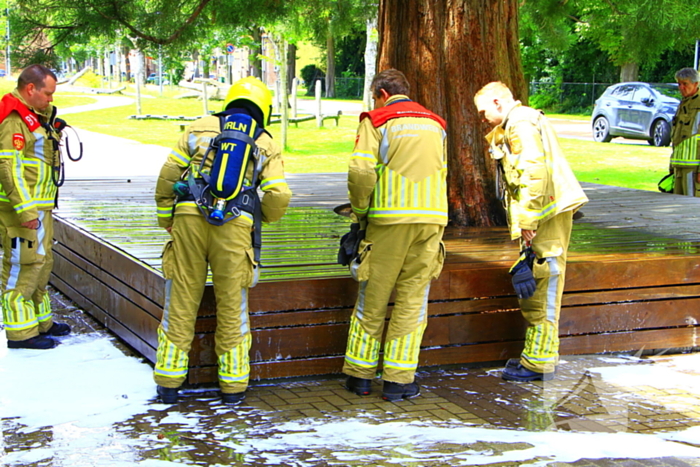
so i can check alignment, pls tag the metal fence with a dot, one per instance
(565, 97)
(349, 88)
(579, 96)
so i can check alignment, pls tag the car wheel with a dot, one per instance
(660, 133)
(601, 130)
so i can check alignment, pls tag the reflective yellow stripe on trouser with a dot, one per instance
(171, 362)
(228, 251)
(686, 153)
(362, 349)
(26, 269)
(401, 354)
(541, 352)
(234, 366)
(402, 257)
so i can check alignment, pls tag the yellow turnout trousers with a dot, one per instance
(685, 183)
(227, 249)
(26, 266)
(405, 257)
(541, 352)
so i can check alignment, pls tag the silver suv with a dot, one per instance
(636, 111)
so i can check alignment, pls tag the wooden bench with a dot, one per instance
(306, 118)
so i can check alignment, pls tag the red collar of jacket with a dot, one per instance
(398, 109)
(10, 103)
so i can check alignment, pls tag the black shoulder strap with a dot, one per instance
(200, 192)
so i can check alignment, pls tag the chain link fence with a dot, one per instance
(571, 98)
(553, 97)
(349, 88)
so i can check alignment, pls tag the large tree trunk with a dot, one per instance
(448, 51)
(629, 72)
(330, 63)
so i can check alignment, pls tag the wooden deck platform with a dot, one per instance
(633, 280)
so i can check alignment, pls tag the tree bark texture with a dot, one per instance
(448, 50)
(291, 66)
(330, 63)
(254, 52)
(629, 72)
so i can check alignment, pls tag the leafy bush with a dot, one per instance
(310, 73)
(544, 101)
(564, 98)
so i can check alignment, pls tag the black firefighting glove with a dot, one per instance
(523, 280)
(349, 243)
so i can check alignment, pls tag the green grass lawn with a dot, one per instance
(313, 150)
(637, 166)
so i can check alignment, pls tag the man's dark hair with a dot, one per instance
(34, 74)
(392, 81)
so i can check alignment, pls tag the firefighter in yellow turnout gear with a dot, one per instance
(685, 135)
(28, 154)
(226, 246)
(541, 195)
(397, 188)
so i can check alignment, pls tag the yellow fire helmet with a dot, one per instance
(253, 90)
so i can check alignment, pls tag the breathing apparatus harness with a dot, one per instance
(58, 125)
(222, 193)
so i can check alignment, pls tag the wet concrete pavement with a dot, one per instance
(464, 416)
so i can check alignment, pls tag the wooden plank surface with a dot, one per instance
(633, 278)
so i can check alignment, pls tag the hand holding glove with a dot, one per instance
(523, 280)
(349, 243)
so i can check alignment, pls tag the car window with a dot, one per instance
(668, 90)
(641, 93)
(624, 92)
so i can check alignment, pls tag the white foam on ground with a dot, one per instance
(412, 442)
(678, 372)
(85, 380)
(85, 387)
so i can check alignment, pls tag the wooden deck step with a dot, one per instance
(633, 280)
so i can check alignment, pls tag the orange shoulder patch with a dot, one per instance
(18, 141)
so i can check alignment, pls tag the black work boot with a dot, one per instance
(232, 398)
(397, 391)
(168, 395)
(36, 342)
(512, 362)
(57, 330)
(522, 374)
(359, 386)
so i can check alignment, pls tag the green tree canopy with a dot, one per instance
(44, 25)
(632, 33)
